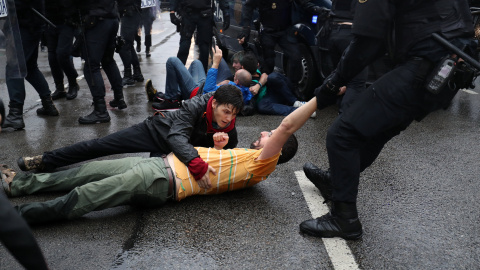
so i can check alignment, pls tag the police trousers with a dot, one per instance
(379, 113)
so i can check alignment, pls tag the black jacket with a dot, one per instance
(179, 131)
(27, 17)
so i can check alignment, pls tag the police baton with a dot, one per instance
(43, 18)
(467, 58)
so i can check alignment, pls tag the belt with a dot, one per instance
(171, 180)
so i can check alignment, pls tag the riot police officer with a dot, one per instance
(59, 43)
(276, 28)
(196, 14)
(100, 26)
(130, 14)
(31, 27)
(392, 102)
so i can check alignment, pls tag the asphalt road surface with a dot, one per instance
(417, 202)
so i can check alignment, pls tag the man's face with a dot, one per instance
(262, 140)
(223, 114)
(236, 65)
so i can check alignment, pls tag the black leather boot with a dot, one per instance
(137, 74)
(48, 108)
(128, 77)
(14, 118)
(320, 178)
(99, 114)
(59, 91)
(342, 221)
(73, 88)
(118, 100)
(148, 44)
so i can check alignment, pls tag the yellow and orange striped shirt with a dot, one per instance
(236, 169)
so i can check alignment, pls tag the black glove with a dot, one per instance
(174, 19)
(330, 86)
(321, 12)
(244, 34)
(226, 21)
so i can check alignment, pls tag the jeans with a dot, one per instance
(204, 26)
(16, 86)
(128, 30)
(94, 186)
(60, 41)
(379, 113)
(279, 97)
(134, 139)
(180, 82)
(99, 49)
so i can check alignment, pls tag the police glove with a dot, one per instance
(329, 87)
(226, 21)
(174, 19)
(244, 34)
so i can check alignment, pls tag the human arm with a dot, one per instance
(217, 57)
(220, 139)
(289, 125)
(223, 82)
(261, 82)
(210, 81)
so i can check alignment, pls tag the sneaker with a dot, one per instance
(299, 104)
(159, 97)
(7, 176)
(30, 163)
(151, 91)
(167, 105)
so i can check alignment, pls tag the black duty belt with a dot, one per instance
(171, 180)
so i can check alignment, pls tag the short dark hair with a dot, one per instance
(250, 63)
(289, 149)
(229, 94)
(238, 56)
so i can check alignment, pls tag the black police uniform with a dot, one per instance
(276, 20)
(100, 21)
(392, 102)
(197, 14)
(130, 14)
(31, 27)
(59, 43)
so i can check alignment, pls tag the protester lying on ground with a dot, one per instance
(195, 123)
(151, 182)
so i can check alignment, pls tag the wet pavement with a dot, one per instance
(417, 202)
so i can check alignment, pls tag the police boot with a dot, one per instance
(14, 118)
(99, 114)
(73, 88)
(137, 74)
(118, 100)
(320, 178)
(148, 44)
(48, 108)
(342, 221)
(138, 39)
(59, 91)
(127, 77)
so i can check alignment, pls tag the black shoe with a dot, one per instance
(320, 178)
(147, 52)
(48, 108)
(99, 114)
(127, 77)
(150, 90)
(167, 105)
(137, 74)
(59, 93)
(159, 97)
(139, 47)
(72, 91)
(14, 118)
(342, 222)
(119, 104)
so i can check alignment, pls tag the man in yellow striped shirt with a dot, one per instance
(152, 182)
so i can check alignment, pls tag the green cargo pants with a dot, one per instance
(94, 186)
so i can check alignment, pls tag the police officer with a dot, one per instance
(130, 14)
(100, 23)
(276, 21)
(149, 14)
(59, 43)
(31, 27)
(389, 105)
(196, 14)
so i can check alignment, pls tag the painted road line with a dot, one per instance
(470, 91)
(340, 254)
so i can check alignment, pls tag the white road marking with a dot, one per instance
(340, 254)
(470, 91)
